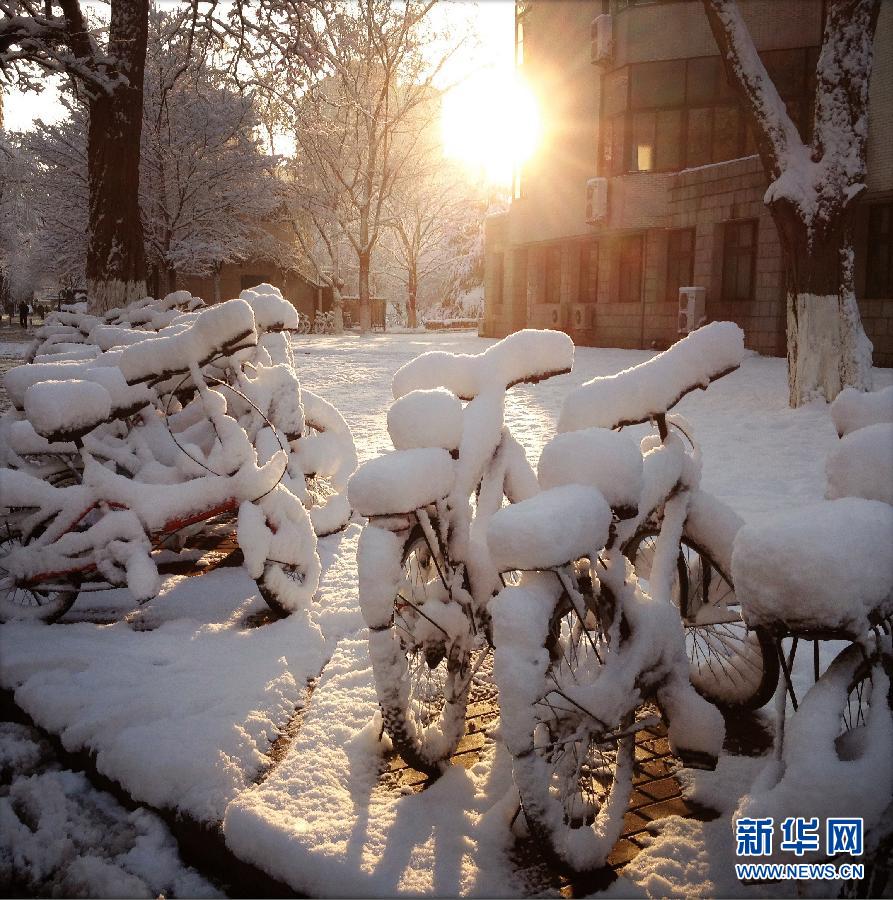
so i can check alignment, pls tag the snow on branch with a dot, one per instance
(819, 179)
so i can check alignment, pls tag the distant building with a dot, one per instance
(303, 293)
(650, 181)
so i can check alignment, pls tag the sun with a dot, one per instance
(491, 123)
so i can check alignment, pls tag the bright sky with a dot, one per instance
(490, 121)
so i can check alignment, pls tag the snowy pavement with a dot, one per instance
(180, 699)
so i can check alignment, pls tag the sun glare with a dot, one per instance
(491, 122)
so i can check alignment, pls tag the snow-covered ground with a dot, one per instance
(181, 698)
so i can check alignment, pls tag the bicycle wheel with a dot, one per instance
(423, 663)
(36, 603)
(729, 664)
(575, 778)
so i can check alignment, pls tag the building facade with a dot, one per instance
(303, 293)
(648, 178)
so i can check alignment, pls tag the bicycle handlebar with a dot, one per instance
(652, 388)
(526, 356)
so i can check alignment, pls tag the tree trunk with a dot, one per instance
(365, 305)
(216, 284)
(171, 279)
(412, 290)
(338, 310)
(827, 346)
(116, 266)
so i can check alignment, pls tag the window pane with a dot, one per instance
(669, 139)
(725, 133)
(745, 270)
(617, 144)
(657, 84)
(699, 137)
(879, 259)
(589, 276)
(739, 253)
(615, 92)
(553, 274)
(680, 261)
(702, 77)
(630, 268)
(786, 68)
(643, 142)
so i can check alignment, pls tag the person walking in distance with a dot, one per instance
(23, 314)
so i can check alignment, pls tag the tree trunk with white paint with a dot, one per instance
(813, 190)
(826, 345)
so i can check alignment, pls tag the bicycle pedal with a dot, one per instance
(697, 759)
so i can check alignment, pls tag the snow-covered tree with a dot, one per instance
(105, 66)
(207, 185)
(814, 187)
(56, 192)
(354, 124)
(434, 214)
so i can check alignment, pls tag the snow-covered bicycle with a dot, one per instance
(208, 435)
(586, 639)
(320, 446)
(425, 571)
(824, 573)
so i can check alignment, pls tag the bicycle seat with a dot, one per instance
(272, 312)
(853, 466)
(66, 410)
(525, 356)
(823, 568)
(426, 419)
(652, 388)
(215, 330)
(606, 460)
(401, 482)
(550, 529)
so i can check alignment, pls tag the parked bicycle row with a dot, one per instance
(601, 583)
(132, 433)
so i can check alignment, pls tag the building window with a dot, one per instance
(589, 273)
(665, 115)
(630, 268)
(519, 278)
(680, 261)
(879, 262)
(498, 282)
(739, 256)
(553, 275)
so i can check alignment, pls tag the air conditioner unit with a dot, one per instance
(582, 316)
(546, 315)
(691, 309)
(596, 201)
(601, 36)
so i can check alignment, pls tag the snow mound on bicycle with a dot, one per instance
(605, 460)
(825, 567)
(527, 355)
(852, 409)
(641, 392)
(401, 482)
(852, 467)
(66, 407)
(554, 527)
(430, 418)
